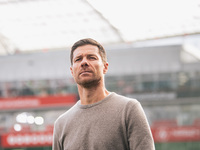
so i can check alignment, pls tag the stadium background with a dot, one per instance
(153, 50)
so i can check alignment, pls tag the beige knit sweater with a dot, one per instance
(114, 123)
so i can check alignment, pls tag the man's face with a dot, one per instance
(87, 68)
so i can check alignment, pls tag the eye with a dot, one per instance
(92, 58)
(77, 59)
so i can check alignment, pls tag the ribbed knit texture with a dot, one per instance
(114, 123)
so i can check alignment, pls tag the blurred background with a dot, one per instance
(153, 49)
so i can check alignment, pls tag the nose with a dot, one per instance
(84, 63)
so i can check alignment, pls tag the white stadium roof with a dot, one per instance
(29, 25)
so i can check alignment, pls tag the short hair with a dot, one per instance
(89, 41)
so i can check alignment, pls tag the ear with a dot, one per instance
(105, 69)
(71, 70)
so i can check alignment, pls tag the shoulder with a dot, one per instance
(123, 103)
(124, 100)
(66, 115)
(129, 104)
(130, 108)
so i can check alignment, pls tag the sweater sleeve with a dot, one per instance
(56, 144)
(138, 130)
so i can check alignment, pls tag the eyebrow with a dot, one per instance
(78, 56)
(92, 55)
(86, 55)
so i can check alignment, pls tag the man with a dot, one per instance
(100, 120)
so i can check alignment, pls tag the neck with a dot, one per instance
(92, 95)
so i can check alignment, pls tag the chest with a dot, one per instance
(97, 130)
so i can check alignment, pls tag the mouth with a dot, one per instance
(85, 72)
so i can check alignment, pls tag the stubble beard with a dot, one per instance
(90, 83)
